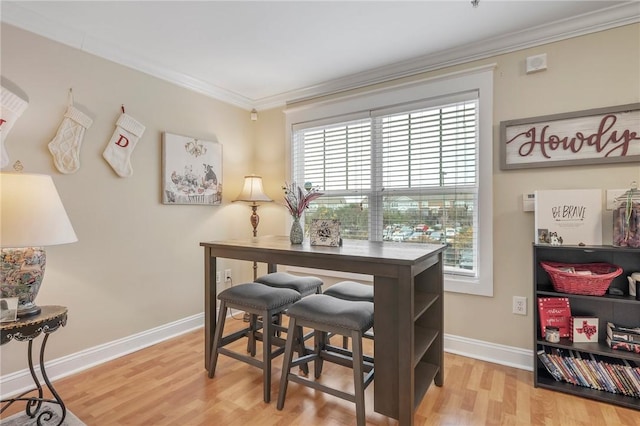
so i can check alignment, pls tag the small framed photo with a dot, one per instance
(191, 170)
(8, 309)
(324, 232)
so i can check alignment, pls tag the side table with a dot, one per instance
(50, 319)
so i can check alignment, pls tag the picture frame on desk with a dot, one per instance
(556, 312)
(584, 329)
(324, 232)
(8, 309)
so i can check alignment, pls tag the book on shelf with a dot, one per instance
(550, 366)
(592, 371)
(624, 346)
(555, 311)
(584, 329)
(568, 216)
(623, 334)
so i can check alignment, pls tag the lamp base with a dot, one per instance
(28, 310)
(21, 273)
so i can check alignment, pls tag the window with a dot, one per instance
(411, 171)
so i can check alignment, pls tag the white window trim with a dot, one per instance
(480, 79)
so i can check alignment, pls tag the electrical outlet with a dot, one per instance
(227, 275)
(218, 277)
(520, 305)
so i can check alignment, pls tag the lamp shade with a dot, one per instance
(252, 190)
(31, 212)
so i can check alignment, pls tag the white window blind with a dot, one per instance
(406, 169)
(335, 157)
(408, 175)
(428, 148)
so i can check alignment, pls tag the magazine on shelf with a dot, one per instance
(555, 311)
(568, 217)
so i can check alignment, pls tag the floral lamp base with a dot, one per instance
(21, 273)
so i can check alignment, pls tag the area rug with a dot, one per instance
(21, 418)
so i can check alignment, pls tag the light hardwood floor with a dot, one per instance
(167, 384)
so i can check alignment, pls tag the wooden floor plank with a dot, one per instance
(166, 385)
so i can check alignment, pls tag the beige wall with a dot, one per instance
(597, 70)
(138, 265)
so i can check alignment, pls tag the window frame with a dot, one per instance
(430, 89)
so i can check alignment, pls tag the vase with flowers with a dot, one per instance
(297, 200)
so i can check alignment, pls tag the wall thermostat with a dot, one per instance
(536, 63)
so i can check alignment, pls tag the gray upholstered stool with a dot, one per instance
(303, 285)
(351, 290)
(256, 299)
(326, 314)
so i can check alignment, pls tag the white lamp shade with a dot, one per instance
(252, 190)
(32, 213)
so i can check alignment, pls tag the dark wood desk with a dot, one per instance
(408, 298)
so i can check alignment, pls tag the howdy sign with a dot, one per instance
(604, 135)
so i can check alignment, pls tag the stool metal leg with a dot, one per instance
(266, 355)
(253, 328)
(286, 363)
(358, 377)
(319, 338)
(217, 337)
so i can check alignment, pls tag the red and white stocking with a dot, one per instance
(12, 108)
(122, 143)
(65, 146)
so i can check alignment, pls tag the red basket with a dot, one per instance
(593, 285)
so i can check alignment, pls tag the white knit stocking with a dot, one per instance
(12, 108)
(122, 143)
(65, 146)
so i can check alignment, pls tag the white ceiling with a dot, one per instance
(264, 53)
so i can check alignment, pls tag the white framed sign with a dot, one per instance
(597, 136)
(325, 232)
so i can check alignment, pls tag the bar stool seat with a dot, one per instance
(304, 285)
(354, 291)
(257, 300)
(326, 314)
(351, 290)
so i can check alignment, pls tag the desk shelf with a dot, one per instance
(425, 374)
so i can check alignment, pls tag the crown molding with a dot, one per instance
(612, 17)
(14, 14)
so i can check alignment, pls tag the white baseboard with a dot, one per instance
(490, 352)
(20, 381)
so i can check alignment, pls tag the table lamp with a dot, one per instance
(253, 193)
(31, 216)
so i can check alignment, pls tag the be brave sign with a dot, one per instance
(597, 136)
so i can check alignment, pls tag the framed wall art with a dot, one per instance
(191, 170)
(324, 232)
(596, 136)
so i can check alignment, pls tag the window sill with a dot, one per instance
(454, 284)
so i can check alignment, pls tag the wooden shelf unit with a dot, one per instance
(622, 310)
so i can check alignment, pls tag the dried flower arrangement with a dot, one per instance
(298, 199)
